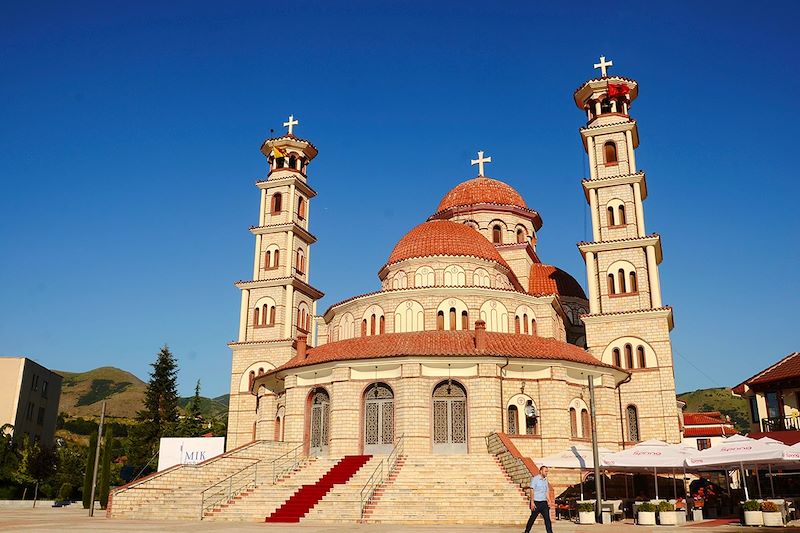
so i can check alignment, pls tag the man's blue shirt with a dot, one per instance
(540, 488)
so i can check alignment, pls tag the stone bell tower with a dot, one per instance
(627, 325)
(278, 303)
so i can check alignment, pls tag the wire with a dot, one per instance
(712, 380)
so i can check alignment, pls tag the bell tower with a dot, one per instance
(627, 325)
(278, 304)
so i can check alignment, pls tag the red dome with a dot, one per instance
(481, 191)
(443, 237)
(547, 279)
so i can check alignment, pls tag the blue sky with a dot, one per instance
(129, 137)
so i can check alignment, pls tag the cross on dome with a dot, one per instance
(480, 161)
(291, 123)
(603, 65)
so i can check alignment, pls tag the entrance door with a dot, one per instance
(449, 418)
(378, 419)
(320, 422)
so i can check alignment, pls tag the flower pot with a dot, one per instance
(647, 518)
(668, 518)
(586, 517)
(697, 515)
(753, 518)
(772, 518)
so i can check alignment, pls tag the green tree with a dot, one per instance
(70, 471)
(105, 472)
(41, 467)
(192, 423)
(160, 414)
(9, 454)
(88, 471)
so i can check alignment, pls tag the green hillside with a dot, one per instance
(722, 400)
(82, 392)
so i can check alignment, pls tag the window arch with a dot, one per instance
(264, 312)
(610, 153)
(573, 422)
(480, 278)
(275, 206)
(293, 162)
(622, 278)
(301, 208)
(272, 257)
(409, 316)
(303, 318)
(616, 357)
(400, 280)
(577, 408)
(346, 327)
(632, 417)
(524, 321)
(451, 311)
(522, 235)
(497, 234)
(440, 320)
(495, 314)
(629, 356)
(251, 373)
(615, 210)
(513, 420)
(527, 421)
(300, 261)
(634, 353)
(424, 277)
(641, 357)
(454, 276)
(586, 424)
(372, 319)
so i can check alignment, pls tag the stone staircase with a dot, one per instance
(177, 493)
(454, 489)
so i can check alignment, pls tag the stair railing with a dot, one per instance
(380, 474)
(287, 462)
(229, 488)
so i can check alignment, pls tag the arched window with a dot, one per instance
(573, 422)
(610, 151)
(632, 282)
(640, 356)
(264, 315)
(525, 324)
(251, 378)
(440, 320)
(586, 424)
(267, 259)
(611, 284)
(277, 200)
(280, 162)
(409, 316)
(301, 208)
(533, 326)
(480, 278)
(383, 324)
(464, 320)
(453, 319)
(364, 328)
(256, 315)
(628, 356)
(292, 162)
(497, 234)
(424, 277)
(495, 315)
(633, 423)
(454, 276)
(301, 261)
(621, 280)
(276, 258)
(372, 325)
(520, 236)
(610, 212)
(513, 416)
(531, 419)
(272, 314)
(516, 324)
(621, 215)
(617, 358)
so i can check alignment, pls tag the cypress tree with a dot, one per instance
(192, 425)
(105, 471)
(87, 473)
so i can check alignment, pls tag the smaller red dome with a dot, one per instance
(547, 279)
(481, 190)
(443, 237)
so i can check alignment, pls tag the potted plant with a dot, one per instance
(646, 514)
(697, 509)
(752, 513)
(667, 515)
(771, 514)
(586, 513)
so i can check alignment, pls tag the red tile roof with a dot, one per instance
(709, 417)
(547, 279)
(787, 437)
(785, 369)
(444, 343)
(712, 431)
(481, 190)
(443, 237)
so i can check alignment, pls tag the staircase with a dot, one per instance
(307, 496)
(176, 493)
(449, 489)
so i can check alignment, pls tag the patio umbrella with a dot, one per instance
(577, 457)
(651, 454)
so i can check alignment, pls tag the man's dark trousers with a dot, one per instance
(540, 508)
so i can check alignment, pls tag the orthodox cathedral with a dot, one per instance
(471, 332)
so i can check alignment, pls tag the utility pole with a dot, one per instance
(595, 452)
(97, 456)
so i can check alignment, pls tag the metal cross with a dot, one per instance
(480, 161)
(291, 124)
(603, 65)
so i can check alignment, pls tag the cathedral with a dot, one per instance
(470, 332)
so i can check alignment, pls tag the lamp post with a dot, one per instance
(595, 451)
(97, 457)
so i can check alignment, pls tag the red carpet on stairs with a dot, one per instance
(307, 496)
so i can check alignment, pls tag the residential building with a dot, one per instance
(29, 396)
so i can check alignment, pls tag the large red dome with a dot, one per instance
(547, 279)
(443, 237)
(481, 190)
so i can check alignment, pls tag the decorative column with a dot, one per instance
(637, 198)
(243, 315)
(594, 295)
(652, 276)
(595, 214)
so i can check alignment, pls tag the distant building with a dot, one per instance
(705, 429)
(29, 396)
(774, 398)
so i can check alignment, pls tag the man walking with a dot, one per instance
(539, 503)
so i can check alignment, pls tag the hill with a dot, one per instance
(82, 392)
(722, 400)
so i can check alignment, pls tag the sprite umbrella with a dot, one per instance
(647, 455)
(578, 457)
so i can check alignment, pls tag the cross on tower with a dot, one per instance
(480, 161)
(291, 123)
(603, 65)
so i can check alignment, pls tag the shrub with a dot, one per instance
(65, 492)
(665, 506)
(586, 507)
(647, 507)
(751, 505)
(769, 507)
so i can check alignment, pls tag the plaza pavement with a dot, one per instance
(49, 520)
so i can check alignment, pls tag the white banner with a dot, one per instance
(188, 450)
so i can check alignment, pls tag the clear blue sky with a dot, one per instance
(130, 134)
